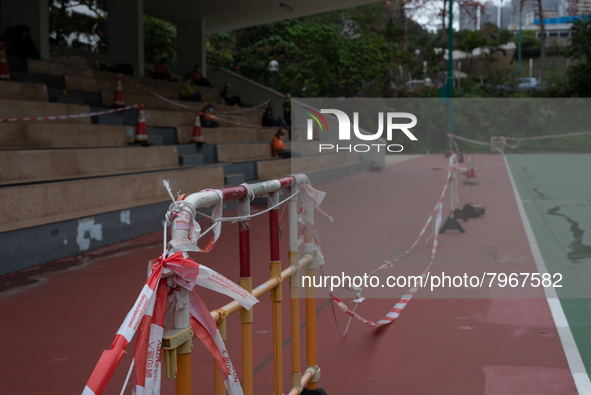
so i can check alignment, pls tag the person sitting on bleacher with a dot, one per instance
(161, 71)
(198, 78)
(229, 99)
(278, 145)
(189, 90)
(208, 120)
(287, 109)
(269, 120)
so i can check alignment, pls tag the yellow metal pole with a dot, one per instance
(276, 294)
(183, 352)
(311, 359)
(296, 375)
(246, 318)
(218, 381)
(182, 384)
(295, 283)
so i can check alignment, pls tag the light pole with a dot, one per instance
(273, 67)
(428, 84)
(450, 78)
(519, 42)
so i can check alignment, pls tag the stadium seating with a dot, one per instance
(55, 171)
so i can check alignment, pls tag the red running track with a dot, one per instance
(57, 319)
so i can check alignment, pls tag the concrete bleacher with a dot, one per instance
(53, 134)
(60, 164)
(60, 174)
(24, 91)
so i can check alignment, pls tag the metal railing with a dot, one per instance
(243, 195)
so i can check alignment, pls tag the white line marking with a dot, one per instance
(569, 345)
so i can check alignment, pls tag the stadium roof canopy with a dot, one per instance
(227, 15)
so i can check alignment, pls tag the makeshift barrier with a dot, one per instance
(454, 200)
(174, 276)
(69, 116)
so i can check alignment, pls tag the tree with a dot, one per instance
(159, 41)
(542, 43)
(75, 29)
(580, 48)
(530, 44)
(467, 41)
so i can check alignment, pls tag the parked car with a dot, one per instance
(522, 84)
(413, 85)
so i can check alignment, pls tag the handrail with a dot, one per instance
(228, 309)
(243, 194)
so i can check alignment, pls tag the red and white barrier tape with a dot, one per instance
(70, 116)
(455, 136)
(185, 106)
(520, 139)
(148, 315)
(395, 311)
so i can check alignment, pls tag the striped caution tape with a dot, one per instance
(148, 315)
(455, 136)
(520, 139)
(396, 310)
(214, 117)
(185, 106)
(70, 116)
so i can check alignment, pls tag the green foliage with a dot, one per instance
(159, 41)
(219, 50)
(354, 52)
(530, 44)
(70, 28)
(580, 48)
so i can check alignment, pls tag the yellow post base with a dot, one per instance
(183, 374)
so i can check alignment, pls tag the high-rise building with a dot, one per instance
(583, 7)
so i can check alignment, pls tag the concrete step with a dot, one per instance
(100, 81)
(69, 99)
(232, 180)
(227, 134)
(276, 168)
(108, 119)
(207, 150)
(155, 139)
(23, 91)
(191, 160)
(51, 202)
(21, 108)
(153, 102)
(187, 149)
(54, 134)
(243, 151)
(26, 166)
(168, 134)
(89, 98)
(51, 81)
(248, 169)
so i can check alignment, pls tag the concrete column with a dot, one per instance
(125, 21)
(191, 46)
(33, 13)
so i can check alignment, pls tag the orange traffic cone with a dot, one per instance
(141, 133)
(197, 135)
(118, 99)
(4, 73)
(471, 173)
